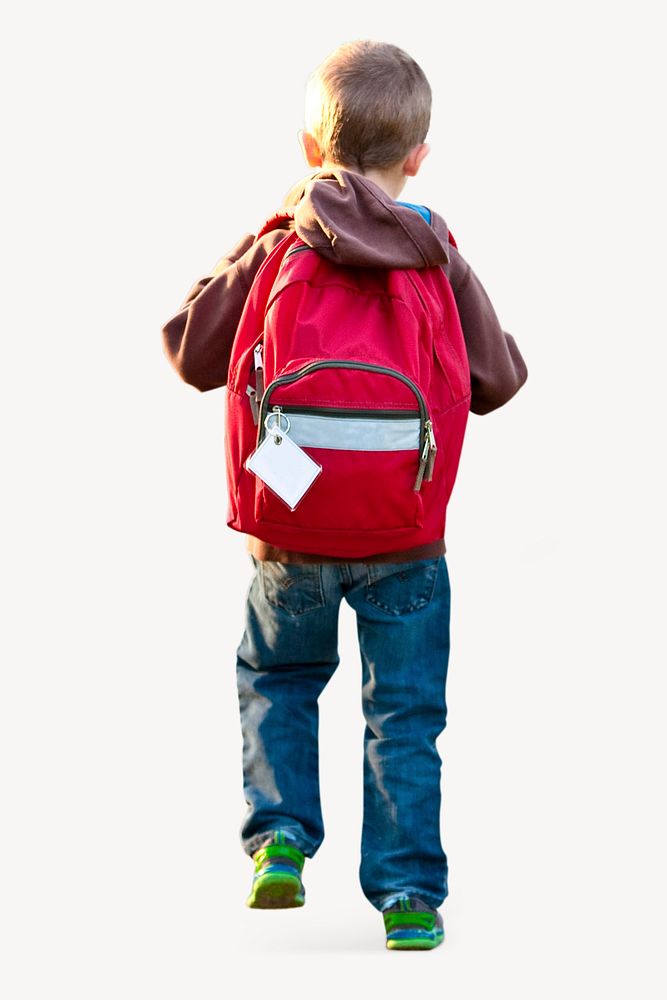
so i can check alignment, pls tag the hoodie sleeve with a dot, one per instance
(198, 340)
(497, 369)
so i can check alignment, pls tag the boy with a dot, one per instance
(367, 116)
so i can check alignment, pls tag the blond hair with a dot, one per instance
(368, 104)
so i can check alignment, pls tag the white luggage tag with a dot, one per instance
(280, 463)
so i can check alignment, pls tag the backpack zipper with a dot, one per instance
(427, 460)
(427, 444)
(256, 392)
(296, 250)
(259, 371)
(344, 411)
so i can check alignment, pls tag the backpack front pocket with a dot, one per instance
(371, 456)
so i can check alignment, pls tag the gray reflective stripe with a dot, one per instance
(353, 433)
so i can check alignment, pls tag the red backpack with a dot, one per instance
(367, 371)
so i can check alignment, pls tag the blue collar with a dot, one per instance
(421, 209)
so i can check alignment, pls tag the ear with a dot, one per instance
(415, 158)
(310, 148)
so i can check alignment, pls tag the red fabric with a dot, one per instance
(306, 309)
(277, 221)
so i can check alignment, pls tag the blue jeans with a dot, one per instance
(289, 651)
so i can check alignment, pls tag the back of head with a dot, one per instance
(368, 104)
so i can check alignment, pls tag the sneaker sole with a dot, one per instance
(276, 892)
(416, 942)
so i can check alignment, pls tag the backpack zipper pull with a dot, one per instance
(276, 432)
(253, 403)
(259, 372)
(427, 460)
(422, 465)
(432, 449)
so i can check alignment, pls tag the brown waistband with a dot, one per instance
(264, 551)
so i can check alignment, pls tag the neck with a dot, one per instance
(392, 182)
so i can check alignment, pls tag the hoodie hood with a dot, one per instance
(351, 220)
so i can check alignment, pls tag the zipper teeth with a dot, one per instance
(361, 365)
(296, 250)
(333, 411)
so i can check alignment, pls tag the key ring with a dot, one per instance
(274, 431)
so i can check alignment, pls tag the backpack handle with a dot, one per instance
(276, 221)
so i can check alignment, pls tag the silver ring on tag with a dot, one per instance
(275, 429)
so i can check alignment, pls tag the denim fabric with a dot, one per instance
(288, 652)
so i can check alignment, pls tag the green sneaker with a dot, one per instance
(277, 884)
(411, 925)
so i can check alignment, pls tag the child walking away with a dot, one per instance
(354, 340)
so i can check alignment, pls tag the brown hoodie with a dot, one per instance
(349, 219)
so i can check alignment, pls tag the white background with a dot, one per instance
(142, 141)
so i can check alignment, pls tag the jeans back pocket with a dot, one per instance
(401, 588)
(294, 587)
